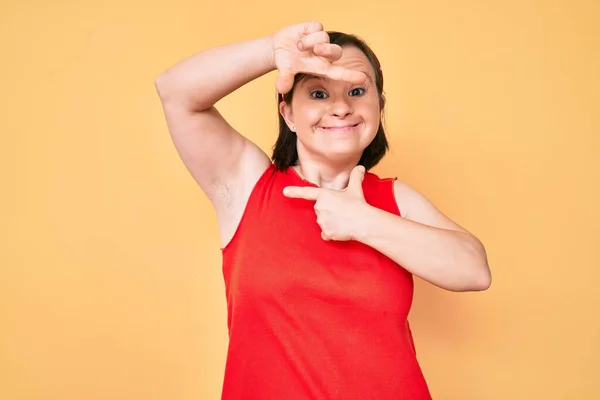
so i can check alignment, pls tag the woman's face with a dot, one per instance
(335, 120)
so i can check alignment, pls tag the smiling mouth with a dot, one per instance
(340, 128)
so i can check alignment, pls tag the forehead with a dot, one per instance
(352, 58)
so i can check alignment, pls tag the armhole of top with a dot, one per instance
(395, 206)
(253, 193)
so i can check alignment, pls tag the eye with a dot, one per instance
(318, 94)
(357, 92)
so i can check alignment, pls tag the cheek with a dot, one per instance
(370, 111)
(311, 115)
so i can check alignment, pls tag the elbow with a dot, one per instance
(172, 94)
(161, 84)
(482, 280)
(481, 275)
(478, 275)
(476, 280)
(169, 88)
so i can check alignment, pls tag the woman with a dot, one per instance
(318, 253)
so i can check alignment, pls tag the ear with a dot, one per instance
(381, 101)
(285, 110)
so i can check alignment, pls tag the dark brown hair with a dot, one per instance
(285, 153)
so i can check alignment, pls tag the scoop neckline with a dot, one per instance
(299, 177)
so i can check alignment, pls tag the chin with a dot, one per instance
(341, 152)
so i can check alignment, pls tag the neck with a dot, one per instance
(327, 176)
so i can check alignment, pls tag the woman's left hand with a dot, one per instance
(336, 209)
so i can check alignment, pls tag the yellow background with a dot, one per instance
(111, 284)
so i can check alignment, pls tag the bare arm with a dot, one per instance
(426, 243)
(203, 79)
(423, 240)
(210, 148)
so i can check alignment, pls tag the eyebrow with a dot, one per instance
(310, 77)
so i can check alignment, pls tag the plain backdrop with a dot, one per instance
(111, 284)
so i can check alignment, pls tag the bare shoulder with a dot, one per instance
(231, 196)
(225, 164)
(415, 206)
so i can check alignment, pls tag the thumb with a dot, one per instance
(284, 83)
(356, 178)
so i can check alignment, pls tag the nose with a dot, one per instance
(341, 107)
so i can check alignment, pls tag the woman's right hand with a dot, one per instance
(305, 48)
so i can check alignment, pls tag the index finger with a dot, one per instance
(344, 74)
(299, 192)
(330, 52)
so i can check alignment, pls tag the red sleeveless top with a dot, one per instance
(314, 319)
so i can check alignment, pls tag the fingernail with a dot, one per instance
(300, 46)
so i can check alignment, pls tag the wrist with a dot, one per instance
(269, 52)
(363, 221)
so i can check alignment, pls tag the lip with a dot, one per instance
(340, 127)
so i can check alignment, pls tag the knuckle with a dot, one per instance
(323, 36)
